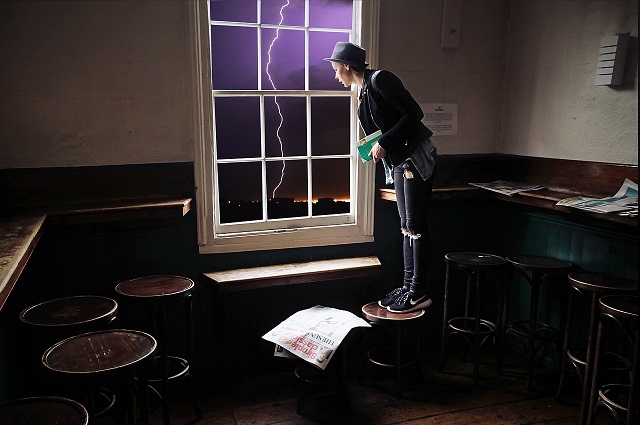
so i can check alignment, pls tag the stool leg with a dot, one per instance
(587, 411)
(166, 417)
(130, 391)
(189, 308)
(634, 393)
(502, 327)
(445, 318)
(476, 331)
(589, 369)
(533, 320)
(143, 395)
(364, 358)
(398, 357)
(565, 347)
(467, 302)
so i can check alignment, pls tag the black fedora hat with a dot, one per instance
(348, 54)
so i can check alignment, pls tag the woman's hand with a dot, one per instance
(377, 152)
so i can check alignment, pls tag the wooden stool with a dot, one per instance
(161, 293)
(478, 268)
(622, 401)
(397, 324)
(51, 321)
(537, 270)
(102, 358)
(590, 287)
(43, 411)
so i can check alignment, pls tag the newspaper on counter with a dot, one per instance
(313, 334)
(507, 188)
(625, 201)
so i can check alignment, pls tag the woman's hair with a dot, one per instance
(358, 68)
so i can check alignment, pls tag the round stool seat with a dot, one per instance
(152, 288)
(43, 411)
(539, 263)
(100, 352)
(602, 282)
(622, 307)
(474, 260)
(71, 311)
(374, 313)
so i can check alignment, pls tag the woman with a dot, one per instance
(408, 157)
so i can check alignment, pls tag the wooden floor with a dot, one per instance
(269, 396)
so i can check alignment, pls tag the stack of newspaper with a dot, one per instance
(313, 334)
(507, 188)
(624, 202)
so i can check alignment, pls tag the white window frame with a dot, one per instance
(210, 238)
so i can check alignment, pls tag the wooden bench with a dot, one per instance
(294, 273)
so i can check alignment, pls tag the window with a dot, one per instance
(276, 164)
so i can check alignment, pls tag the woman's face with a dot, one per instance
(344, 73)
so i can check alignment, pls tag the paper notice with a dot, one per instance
(441, 118)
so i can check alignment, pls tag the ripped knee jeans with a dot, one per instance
(412, 195)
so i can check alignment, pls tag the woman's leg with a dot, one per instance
(417, 196)
(413, 209)
(407, 250)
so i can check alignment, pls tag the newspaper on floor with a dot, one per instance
(624, 202)
(313, 334)
(506, 187)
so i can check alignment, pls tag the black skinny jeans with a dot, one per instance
(413, 196)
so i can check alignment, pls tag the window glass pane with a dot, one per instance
(330, 126)
(330, 14)
(237, 127)
(287, 186)
(233, 10)
(331, 186)
(240, 188)
(282, 59)
(292, 12)
(321, 75)
(286, 135)
(234, 58)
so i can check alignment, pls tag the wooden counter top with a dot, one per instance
(19, 234)
(125, 210)
(542, 198)
(18, 238)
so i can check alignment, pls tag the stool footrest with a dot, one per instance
(615, 395)
(465, 325)
(384, 357)
(520, 328)
(177, 368)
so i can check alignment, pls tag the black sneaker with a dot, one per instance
(391, 297)
(409, 302)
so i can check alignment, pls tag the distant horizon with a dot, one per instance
(239, 210)
(223, 200)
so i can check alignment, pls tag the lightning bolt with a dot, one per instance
(275, 98)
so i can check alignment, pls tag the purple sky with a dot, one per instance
(235, 67)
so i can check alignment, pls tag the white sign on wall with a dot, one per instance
(441, 118)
